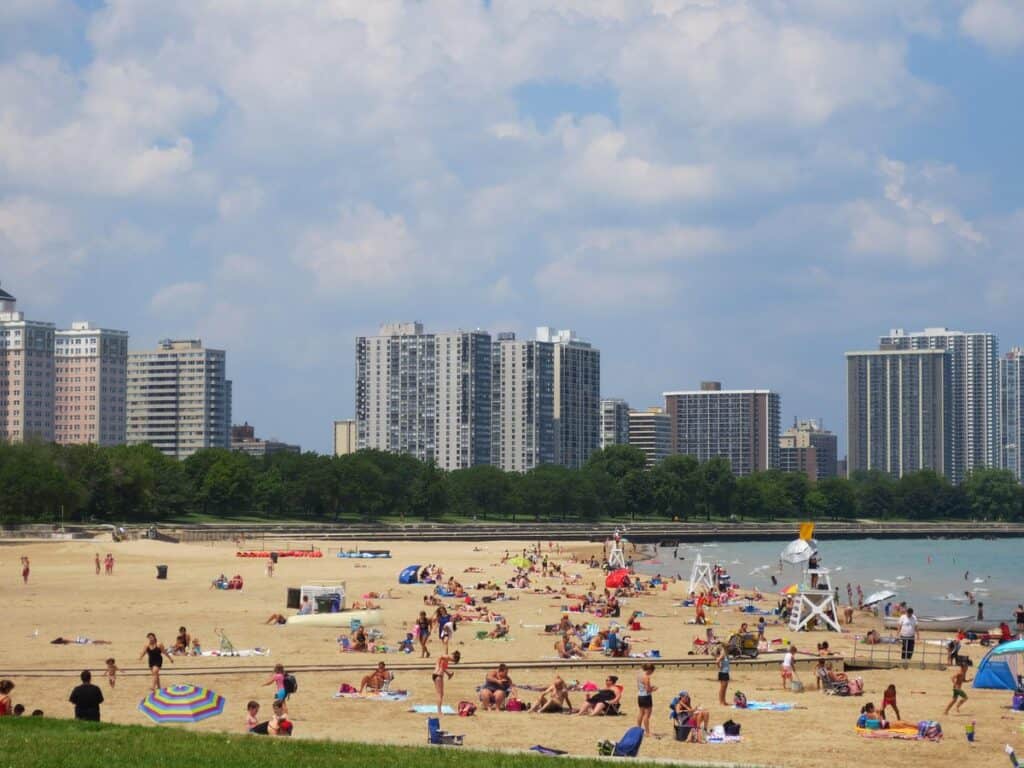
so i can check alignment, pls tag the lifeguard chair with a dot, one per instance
(814, 603)
(616, 555)
(702, 576)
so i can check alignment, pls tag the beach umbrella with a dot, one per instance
(799, 551)
(519, 562)
(182, 704)
(792, 589)
(877, 597)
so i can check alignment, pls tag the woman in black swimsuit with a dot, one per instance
(156, 651)
(423, 628)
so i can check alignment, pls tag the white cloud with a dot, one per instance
(39, 249)
(362, 248)
(995, 24)
(178, 298)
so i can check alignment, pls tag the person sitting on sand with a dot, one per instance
(279, 724)
(872, 637)
(359, 640)
(564, 647)
(554, 698)
(496, 688)
(377, 680)
(604, 701)
(500, 629)
(277, 618)
(252, 709)
(182, 643)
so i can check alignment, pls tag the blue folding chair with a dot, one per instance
(436, 736)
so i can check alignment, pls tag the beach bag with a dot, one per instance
(929, 729)
(514, 705)
(856, 686)
(466, 708)
(1018, 702)
(731, 728)
(291, 685)
(740, 700)
(683, 731)
(347, 688)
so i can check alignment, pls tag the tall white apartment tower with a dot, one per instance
(179, 399)
(90, 396)
(614, 422)
(1011, 390)
(425, 394)
(974, 383)
(576, 378)
(522, 403)
(463, 399)
(26, 375)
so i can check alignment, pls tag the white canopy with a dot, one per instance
(799, 551)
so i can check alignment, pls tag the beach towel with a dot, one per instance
(908, 733)
(547, 750)
(240, 652)
(713, 739)
(431, 709)
(767, 706)
(377, 696)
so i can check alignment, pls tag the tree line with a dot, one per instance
(85, 483)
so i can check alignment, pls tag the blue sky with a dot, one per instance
(705, 190)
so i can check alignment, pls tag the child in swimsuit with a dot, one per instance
(112, 671)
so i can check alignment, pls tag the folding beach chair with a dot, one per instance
(627, 746)
(436, 736)
(226, 646)
(832, 687)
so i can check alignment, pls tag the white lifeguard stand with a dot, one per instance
(616, 555)
(814, 603)
(702, 576)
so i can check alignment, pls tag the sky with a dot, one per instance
(732, 190)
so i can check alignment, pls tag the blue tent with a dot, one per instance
(1001, 667)
(409, 575)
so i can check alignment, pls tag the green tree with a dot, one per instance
(676, 482)
(993, 494)
(717, 486)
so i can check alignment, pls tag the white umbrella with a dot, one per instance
(799, 551)
(877, 597)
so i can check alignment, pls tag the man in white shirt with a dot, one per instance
(909, 634)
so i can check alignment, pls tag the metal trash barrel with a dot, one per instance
(161, 571)
(273, 557)
(294, 598)
(323, 603)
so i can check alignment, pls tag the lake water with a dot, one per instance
(924, 572)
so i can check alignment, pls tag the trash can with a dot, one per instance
(323, 603)
(294, 598)
(161, 571)
(273, 557)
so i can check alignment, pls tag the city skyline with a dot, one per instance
(736, 191)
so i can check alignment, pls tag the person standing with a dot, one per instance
(909, 634)
(155, 651)
(441, 672)
(97, 563)
(959, 680)
(645, 697)
(1019, 614)
(981, 611)
(787, 667)
(723, 673)
(25, 569)
(86, 698)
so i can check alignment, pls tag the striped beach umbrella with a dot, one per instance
(182, 704)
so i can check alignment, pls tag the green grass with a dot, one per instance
(27, 742)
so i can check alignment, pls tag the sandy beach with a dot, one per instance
(64, 597)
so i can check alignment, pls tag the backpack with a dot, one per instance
(740, 700)
(731, 728)
(929, 729)
(291, 685)
(466, 708)
(514, 705)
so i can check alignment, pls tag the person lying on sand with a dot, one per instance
(79, 640)
(554, 698)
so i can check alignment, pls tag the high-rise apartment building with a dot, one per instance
(396, 392)
(179, 398)
(808, 447)
(651, 432)
(974, 396)
(522, 403)
(26, 375)
(91, 385)
(614, 422)
(577, 396)
(463, 399)
(739, 425)
(345, 437)
(425, 394)
(1011, 392)
(899, 411)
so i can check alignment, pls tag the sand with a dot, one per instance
(65, 598)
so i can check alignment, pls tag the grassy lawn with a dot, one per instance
(33, 741)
